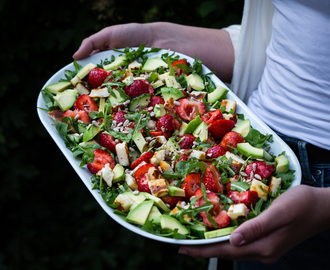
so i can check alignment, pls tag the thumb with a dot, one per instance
(255, 228)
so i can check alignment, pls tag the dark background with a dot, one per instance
(49, 220)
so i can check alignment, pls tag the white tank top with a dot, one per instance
(293, 96)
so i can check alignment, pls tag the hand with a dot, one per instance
(294, 216)
(212, 46)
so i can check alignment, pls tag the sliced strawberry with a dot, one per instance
(211, 197)
(156, 133)
(191, 183)
(142, 171)
(231, 139)
(187, 108)
(97, 76)
(249, 197)
(171, 200)
(183, 156)
(215, 151)
(78, 115)
(211, 116)
(221, 219)
(109, 142)
(137, 88)
(143, 185)
(146, 156)
(154, 100)
(212, 180)
(101, 158)
(166, 124)
(119, 117)
(261, 168)
(220, 128)
(187, 141)
(85, 103)
(179, 70)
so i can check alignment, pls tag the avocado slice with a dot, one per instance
(170, 223)
(218, 94)
(82, 73)
(159, 110)
(282, 164)
(154, 215)
(119, 173)
(91, 133)
(170, 81)
(171, 92)
(137, 198)
(157, 201)
(139, 214)
(172, 146)
(157, 84)
(66, 99)
(201, 132)
(192, 125)
(55, 88)
(195, 81)
(140, 142)
(116, 98)
(219, 232)
(243, 128)
(250, 151)
(119, 61)
(176, 191)
(153, 63)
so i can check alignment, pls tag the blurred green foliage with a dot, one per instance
(49, 219)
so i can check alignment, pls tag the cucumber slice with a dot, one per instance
(139, 103)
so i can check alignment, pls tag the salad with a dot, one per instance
(165, 146)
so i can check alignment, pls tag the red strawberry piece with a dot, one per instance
(119, 117)
(154, 100)
(215, 151)
(187, 141)
(166, 124)
(191, 183)
(232, 138)
(151, 89)
(171, 200)
(211, 116)
(187, 108)
(143, 185)
(260, 168)
(179, 70)
(109, 142)
(146, 156)
(137, 88)
(183, 157)
(220, 128)
(156, 133)
(220, 216)
(248, 197)
(142, 171)
(78, 115)
(211, 197)
(85, 102)
(97, 76)
(212, 180)
(101, 158)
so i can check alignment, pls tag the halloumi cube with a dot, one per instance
(175, 210)
(158, 157)
(274, 185)
(164, 166)
(197, 154)
(236, 161)
(158, 187)
(260, 188)
(130, 181)
(107, 174)
(230, 105)
(99, 93)
(237, 210)
(122, 154)
(229, 116)
(125, 202)
(82, 89)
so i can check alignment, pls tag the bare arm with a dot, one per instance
(296, 215)
(212, 46)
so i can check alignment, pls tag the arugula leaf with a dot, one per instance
(239, 186)
(257, 139)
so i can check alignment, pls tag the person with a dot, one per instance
(277, 61)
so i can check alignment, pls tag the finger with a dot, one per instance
(253, 229)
